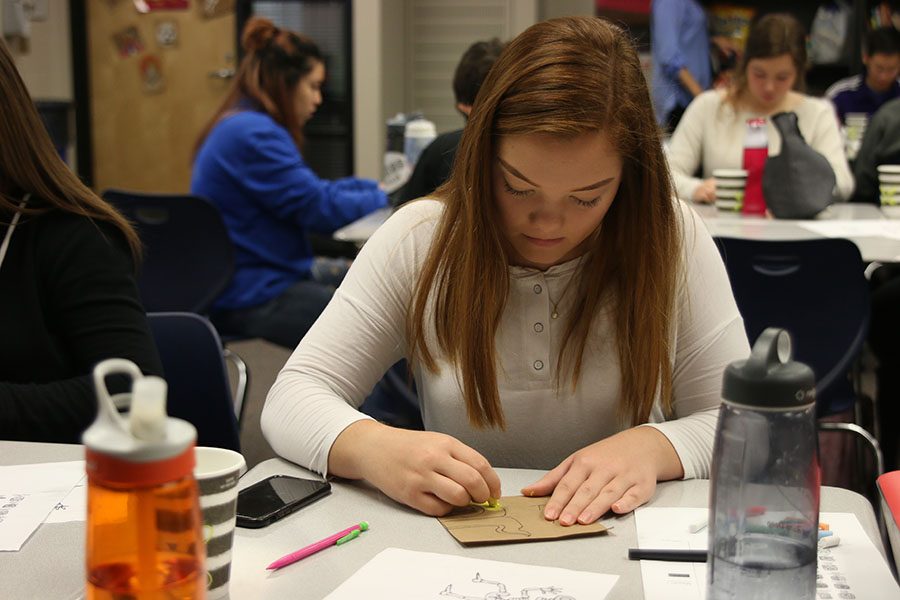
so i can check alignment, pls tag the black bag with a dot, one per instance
(799, 182)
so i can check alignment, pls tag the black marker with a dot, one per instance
(667, 554)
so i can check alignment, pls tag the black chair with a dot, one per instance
(199, 390)
(816, 290)
(188, 257)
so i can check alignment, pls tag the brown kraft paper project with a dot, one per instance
(518, 519)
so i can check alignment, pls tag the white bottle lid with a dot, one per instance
(420, 128)
(147, 419)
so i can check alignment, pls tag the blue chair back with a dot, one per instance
(199, 391)
(816, 289)
(188, 256)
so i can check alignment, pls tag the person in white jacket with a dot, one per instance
(769, 80)
(560, 308)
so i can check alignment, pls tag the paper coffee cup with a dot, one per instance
(730, 184)
(217, 472)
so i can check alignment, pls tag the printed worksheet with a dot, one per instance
(71, 508)
(28, 494)
(852, 570)
(406, 575)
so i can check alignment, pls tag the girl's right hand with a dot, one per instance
(705, 192)
(429, 471)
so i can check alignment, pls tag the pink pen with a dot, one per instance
(332, 540)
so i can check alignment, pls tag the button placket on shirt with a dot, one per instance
(537, 317)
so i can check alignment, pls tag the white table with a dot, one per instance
(361, 230)
(723, 224)
(51, 564)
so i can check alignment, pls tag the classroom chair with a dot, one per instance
(194, 368)
(816, 290)
(188, 257)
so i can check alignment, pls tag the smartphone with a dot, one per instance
(275, 497)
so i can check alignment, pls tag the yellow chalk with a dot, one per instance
(490, 504)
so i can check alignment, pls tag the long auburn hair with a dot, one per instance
(563, 77)
(30, 164)
(773, 35)
(274, 61)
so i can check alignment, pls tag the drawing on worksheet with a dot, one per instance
(408, 575)
(500, 592)
(519, 519)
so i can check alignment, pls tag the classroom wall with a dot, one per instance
(46, 66)
(550, 9)
(367, 102)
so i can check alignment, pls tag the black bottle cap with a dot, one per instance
(769, 378)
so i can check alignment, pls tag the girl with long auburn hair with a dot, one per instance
(68, 296)
(248, 163)
(561, 310)
(769, 79)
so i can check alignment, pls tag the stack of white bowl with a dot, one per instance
(730, 184)
(854, 129)
(889, 188)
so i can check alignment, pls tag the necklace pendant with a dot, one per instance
(554, 315)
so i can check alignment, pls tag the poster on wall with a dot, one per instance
(215, 8)
(146, 6)
(152, 81)
(128, 42)
(167, 34)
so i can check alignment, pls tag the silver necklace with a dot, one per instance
(555, 313)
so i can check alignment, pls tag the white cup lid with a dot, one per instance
(889, 169)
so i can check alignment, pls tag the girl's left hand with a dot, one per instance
(618, 473)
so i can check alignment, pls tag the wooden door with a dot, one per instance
(143, 127)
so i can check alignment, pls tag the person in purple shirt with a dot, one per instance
(248, 163)
(878, 84)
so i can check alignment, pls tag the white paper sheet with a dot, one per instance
(853, 229)
(853, 569)
(71, 508)
(406, 575)
(27, 495)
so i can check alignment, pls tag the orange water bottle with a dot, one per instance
(144, 537)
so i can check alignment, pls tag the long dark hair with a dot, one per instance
(562, 77)
(275, 60)
(29, 162)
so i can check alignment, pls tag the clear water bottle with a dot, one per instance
(756, 152)
(418, 134)
(144, 539)
(764, 499)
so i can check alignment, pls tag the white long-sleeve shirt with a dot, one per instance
(711, 135)
(361, 334)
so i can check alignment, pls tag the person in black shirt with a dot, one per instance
(436, 161)
(68, 296)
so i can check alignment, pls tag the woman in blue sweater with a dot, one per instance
(248, 163)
